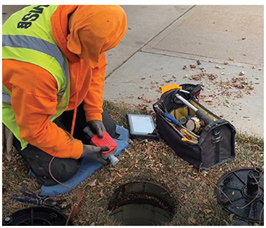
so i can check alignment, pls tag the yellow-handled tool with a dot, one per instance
(184, 139)
(190, 135)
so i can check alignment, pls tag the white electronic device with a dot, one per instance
(141, 126)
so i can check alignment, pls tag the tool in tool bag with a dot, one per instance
(216, 141)
(163, 114)
(198, 112)
(185, 135)
(183, 120)
(184, 139)
(173, 120)
(60, 205)
(190, 135)
(194, 124)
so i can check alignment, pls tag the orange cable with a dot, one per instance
(74, 115)
(75, 110)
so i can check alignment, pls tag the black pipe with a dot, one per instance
(253, 183)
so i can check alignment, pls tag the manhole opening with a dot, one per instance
(142, 203)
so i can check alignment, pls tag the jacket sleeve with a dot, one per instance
(34, 101)
(93, 102)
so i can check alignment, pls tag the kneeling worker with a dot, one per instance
(53, 60)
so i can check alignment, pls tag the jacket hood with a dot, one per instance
(95, 29)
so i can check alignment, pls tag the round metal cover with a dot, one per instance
(33, 216)
(241, 192)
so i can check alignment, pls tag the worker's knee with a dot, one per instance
(47, 169)
(61, 170)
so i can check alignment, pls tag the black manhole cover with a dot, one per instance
(36, 216)
(142, 203)
(241, 192)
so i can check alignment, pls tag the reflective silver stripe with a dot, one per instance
(5, 97)
(38, 45)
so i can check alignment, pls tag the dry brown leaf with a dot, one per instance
(192, 220)
(92, 183)
(208, 211)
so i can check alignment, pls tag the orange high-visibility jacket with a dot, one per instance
(34, 90)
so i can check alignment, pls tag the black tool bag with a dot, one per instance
(215, 141)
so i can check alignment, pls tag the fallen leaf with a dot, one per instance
(218, 67)
(92, 183)
(231, 217)
(208, 211)
(192, 220)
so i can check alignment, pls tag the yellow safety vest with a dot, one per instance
(27, 36)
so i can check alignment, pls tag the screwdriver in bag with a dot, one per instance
(173, 120)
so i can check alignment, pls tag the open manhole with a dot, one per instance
(142, 203)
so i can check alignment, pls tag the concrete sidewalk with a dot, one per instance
(220, 47)
(165, 44)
